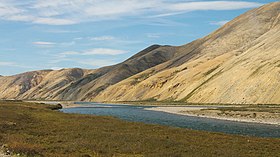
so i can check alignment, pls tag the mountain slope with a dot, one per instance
(238, 63)
(13, 86)
(146, 59)
(79, 84)
(53, 82)
(235, 64)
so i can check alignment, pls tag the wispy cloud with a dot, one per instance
(56, 68)
(68, 12)
(212, 5)
(97, 62)
(43, 43)
(153, 35)
(69, 53)
(7, 64)
(103, 38)
(12, 64)
(46, 44)
(165, 14)
(59, 31)
(108, 41)
(88, 62)
(104, 51)
(96, 51)
(219, 23)
(54, 21)
(75, 56)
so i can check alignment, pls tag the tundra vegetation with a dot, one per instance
(32, 129)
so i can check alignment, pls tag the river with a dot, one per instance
(138, 113)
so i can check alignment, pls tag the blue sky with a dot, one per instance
(40, 34)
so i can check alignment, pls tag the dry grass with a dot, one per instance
(36, 130)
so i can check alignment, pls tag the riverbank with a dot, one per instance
(35, 130)
(64, 104)
(262, 114)
(268, 115)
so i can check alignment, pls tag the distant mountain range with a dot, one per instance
(238, 63)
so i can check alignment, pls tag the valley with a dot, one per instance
(217, 95)
(233, 65)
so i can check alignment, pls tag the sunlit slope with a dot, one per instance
(38, 84)
(90, 86)
(80, 84)
(12, 87)
(239, 63)
(54, 82)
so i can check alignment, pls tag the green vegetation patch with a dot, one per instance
(37, 130)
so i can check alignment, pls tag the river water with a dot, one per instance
(139, 114)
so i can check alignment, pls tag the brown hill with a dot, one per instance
(91, 85)
(53, 82)
(238, 63)
(79, 84)
(13, 86)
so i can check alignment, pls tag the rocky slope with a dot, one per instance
(238, 63)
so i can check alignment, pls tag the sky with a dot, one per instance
(40, 34)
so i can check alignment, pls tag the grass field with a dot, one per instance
(36, 130)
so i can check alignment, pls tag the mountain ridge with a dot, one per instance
(266, 15)
(218, 68)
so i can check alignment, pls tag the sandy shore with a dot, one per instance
(214, 114)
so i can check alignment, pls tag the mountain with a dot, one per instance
(79, 84)
(238, 63)
(91, 85)
(21, 86)
(13, 86)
